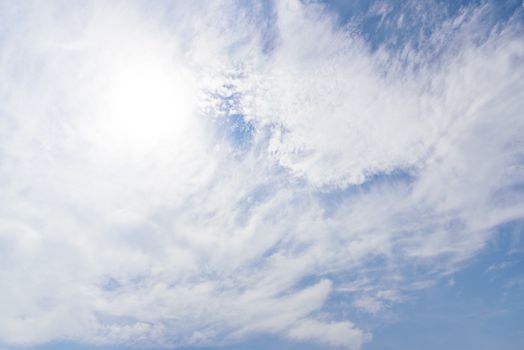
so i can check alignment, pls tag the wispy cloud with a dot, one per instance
(179, 174)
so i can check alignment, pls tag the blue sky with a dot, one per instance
(262, 175)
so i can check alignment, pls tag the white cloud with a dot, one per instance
(338, 334)
(128, 215)
(369, 304)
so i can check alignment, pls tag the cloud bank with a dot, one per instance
(179, 174)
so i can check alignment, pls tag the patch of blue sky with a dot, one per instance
(230, 124)
(395, 24)
(240, 130)
(235, 130)
(110, 284)
(479, 307)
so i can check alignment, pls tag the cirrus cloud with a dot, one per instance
(173, 175)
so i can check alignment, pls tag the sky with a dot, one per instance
(244, 174)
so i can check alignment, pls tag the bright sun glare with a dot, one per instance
(146, 104)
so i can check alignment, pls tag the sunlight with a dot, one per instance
(148, 104)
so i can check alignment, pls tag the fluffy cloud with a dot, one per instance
(174, 175)
(339, 334)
